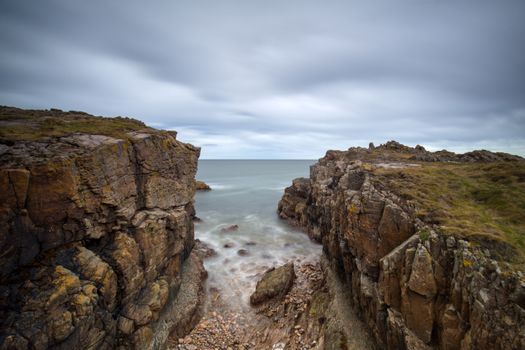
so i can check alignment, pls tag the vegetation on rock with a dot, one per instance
(31, 125)
(482, 201)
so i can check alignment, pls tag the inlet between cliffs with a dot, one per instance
(239, 222)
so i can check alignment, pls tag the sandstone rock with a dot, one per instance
(275, 282)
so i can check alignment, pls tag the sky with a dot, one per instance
(278, 79)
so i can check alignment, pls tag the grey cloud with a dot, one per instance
(277, 79)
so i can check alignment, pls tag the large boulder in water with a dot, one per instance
(275, 282)
(202, 186)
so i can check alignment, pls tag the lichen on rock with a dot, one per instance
(427, 244)
(96, 231)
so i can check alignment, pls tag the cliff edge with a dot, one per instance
(96, 232)
(430, 245)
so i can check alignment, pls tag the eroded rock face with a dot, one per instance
(412, 292)
(96, 236)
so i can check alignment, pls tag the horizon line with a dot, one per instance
(257, 159)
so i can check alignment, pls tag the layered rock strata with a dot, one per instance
(96, 239)
(414, 286)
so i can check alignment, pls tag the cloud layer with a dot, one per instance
(278, 79)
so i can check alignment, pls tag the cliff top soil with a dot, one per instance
(479, 195)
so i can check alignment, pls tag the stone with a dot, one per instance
(422, 279)
(230, 228)
(452, 329)
(418, 312)
(202, 186)
(275, 282)
(243, 252)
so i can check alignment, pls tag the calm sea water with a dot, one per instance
(246, 193)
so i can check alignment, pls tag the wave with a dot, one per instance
(218, 186)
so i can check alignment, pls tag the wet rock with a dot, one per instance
(204, 250)
(202, 186)
(231, 228)
(228, 245)
(243, 252)
(275, 282)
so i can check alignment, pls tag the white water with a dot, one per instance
(246, 193)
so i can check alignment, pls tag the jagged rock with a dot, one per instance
(96, 233)
(422, 276)
(414, 287)
(275, 282)
(203, 250)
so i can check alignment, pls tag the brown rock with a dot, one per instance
(418, 312)
(400, 282)
(231, 228)
(422, 279)
(243, 252)
(202, 186)
(452, 329)
(275, 282)
(104, 232)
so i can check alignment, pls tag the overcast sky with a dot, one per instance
(277, 79)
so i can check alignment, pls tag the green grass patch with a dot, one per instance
(29, 125)
(482, 201)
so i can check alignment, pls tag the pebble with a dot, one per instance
(223, 328)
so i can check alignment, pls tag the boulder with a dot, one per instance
(275, 282)
(230, 228)
(202, 186)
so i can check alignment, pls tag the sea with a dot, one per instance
(245, 193)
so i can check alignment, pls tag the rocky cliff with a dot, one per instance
(96, 232)
(429, 245)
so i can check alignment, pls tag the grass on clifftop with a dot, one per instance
(18, 124)
(482, 201)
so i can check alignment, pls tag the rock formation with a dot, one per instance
(202, 186)
(419, 279)
(275, 282)
(96, 233)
